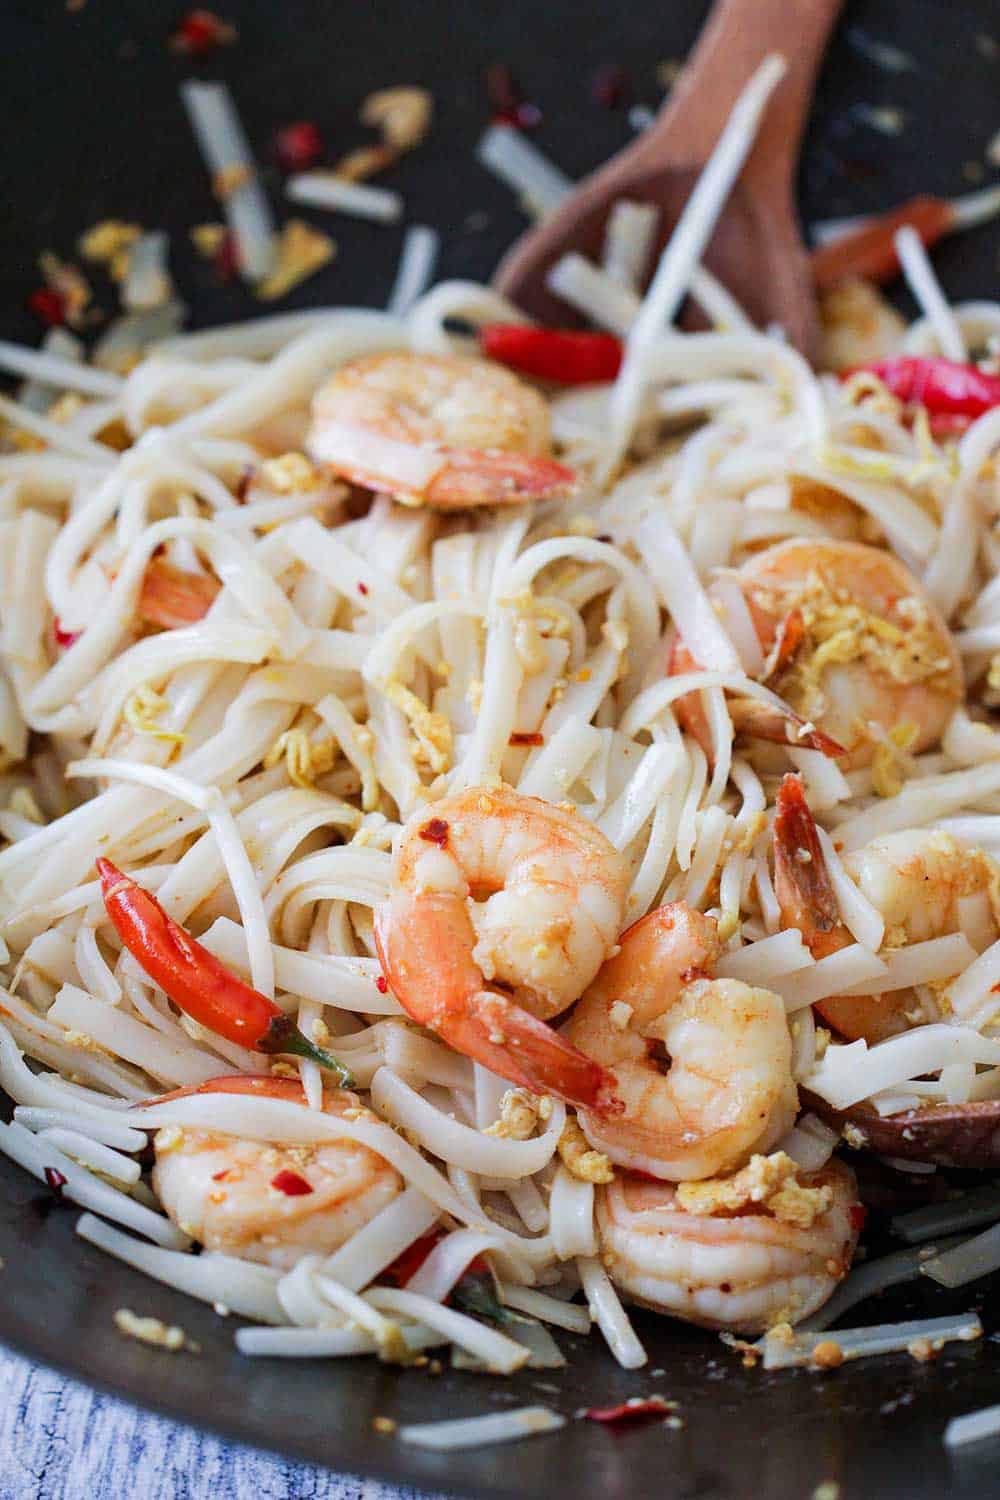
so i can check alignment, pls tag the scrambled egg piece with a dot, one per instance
(579, 1157)
(768, 1181)
(520, 1113)
(153, 1331)
(431, 730)
(302, 250)
(887, 768)
(291, 472)
(305, 758)
(142, 713)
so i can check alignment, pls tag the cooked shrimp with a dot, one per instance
(439, 430)
(171, 597)
(703, 1065)
(924, 883)
(270, 1203)
(494, 888)
(745, 1272)
(855, 647)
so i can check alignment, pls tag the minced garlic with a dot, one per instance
(579, 1157)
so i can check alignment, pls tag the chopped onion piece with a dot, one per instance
(480, 1432)
(225, 148)
(858, 1343)
(980, 1206)
(416, 266)
(327, 190)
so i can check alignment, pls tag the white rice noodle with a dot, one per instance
(628, 241)
(120, 1137)
(327, 190)
(810, 1143)
(416, 267)
(326, 978)
(597, 294)
(868, 1280)
(147, 281)
(82, 1187)
(979, 1206)
(568, 1315)
(453, 1142)
(240, 1285)
(847, 1074)
(382, 1239)
(926, 289)
(326, 1343)
(90, 1153)
(131, 1039)
(686, 248)
(571, 1216)
(224, 146)
(975, 1257)
(884, 1338)
(683, 595)
(609, 1315)
(825, 783)
(919, 804)
(511, 157)
(851, 966)
(482, 1432)
(973, 995)
(918, 963)
(501, 1355)
(58, 373)
(972, 1427)
(449, 1261)
(768, 959)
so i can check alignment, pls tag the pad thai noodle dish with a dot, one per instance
(497, 820)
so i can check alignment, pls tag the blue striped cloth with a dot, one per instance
(61, 1441)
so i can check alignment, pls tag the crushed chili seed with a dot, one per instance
(291, 1184)
(245, 481)
(200, 32)
(636, 1410)
(435, 832)
(362, 588)
(48, 307)
(220, 1176)
(382, 985)
(526, 737)
(55, 1180)
(611, 86)
(298, 146)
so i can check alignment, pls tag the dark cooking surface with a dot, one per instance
(94, 129)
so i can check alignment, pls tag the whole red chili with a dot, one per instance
(553, 354)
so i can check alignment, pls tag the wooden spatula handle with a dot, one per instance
(736, 38)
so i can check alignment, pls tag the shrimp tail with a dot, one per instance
(791, 634)
(534, 1056)
(761, 721)
(171, 597)
(802, 881)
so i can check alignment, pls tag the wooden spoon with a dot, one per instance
(757, 249)
(950, 1135)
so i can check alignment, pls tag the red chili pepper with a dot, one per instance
(552, 353)
(55, 1180)
(382, 984)
(48, 306)
(199, 32)
(195, 980)
(943, 386)
(870, 250)
(630, 1411)
(298, 146)
(408, 1263)
(857, 1215)
(64, 638)
(291, 1184)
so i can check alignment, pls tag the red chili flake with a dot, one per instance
(688, 976)
(525, 737)
(64, 638)
(507, 101)
(382, 985)
(298, 146)
(225, 261)
(291, 1184)
(48, 306)
(435, 832)
(363, 588)
(637, 1410)
(220, 1176)
(858, 1214)
(55, 1179)
(605, 536)
(200, 32)
(611, 86)
(245, 481)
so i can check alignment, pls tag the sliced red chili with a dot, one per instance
(857, 1215)
(200, 32)
(55, 1179)
(64, 638)
(630, 1411)
(560, 355)
(291, 1184)
(48, 306)
(408, 1263)
(944, 386)
(382, 985)
(526, 737)
(435, 832)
